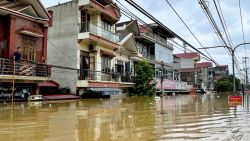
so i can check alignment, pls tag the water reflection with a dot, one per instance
(207, 117)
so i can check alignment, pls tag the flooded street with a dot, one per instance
(207, 117)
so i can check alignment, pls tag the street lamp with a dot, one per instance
(232, 51)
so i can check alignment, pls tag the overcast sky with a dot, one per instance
(195, 18)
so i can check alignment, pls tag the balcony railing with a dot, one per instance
(105, 76)
(163, 41)
(98, 31)
(8, 67)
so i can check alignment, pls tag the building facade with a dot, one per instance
(24, 24)
(187, 67)
(220, 71)
(83, 40)
(154, 47)
(205, 79)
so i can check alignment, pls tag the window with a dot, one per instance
(119, 67)
(29, 49)
(2, 48)
(106, 63)
(14, 1)
(106, 25)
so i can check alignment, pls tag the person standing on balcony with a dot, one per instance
(18, 55)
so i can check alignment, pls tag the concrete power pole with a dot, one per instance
(245, 62)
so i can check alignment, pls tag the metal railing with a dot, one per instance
(98, 31)
(23, 68)
(105, 76)
(163, 41)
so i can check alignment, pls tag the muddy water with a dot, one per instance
(208, 117)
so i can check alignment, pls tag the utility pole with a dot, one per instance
(245, 62)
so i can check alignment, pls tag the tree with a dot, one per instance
(144, 80)
(225, 84)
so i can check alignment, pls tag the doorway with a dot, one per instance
(84, 68)
(29, 49)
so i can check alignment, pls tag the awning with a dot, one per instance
(107, 91)
(31, 32)
(106, 53)
(48, 84)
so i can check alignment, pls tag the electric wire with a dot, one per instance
(188, 28)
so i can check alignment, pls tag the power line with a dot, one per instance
(222, 23)
(242, 27)
(187, 27)
(224, 26)
(163, 26)
(131, 15)
(225, 23)
(216, 28)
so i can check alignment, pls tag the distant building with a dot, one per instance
(220, 71)
(187, 67)
(205, 79)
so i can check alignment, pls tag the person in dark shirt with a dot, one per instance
(18, 55)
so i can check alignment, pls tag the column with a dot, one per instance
(11, 49)
(45, 44)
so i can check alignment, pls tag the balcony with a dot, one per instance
(23, 69)
(164, 42)
(98, 31)
(104, 7)
(105, 76)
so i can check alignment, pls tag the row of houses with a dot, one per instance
(87, 49)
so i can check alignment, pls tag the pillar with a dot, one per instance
(38, 90)
(45, 44)
(11, 49)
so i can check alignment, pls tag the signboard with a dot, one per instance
(167, 84)
(20, 92)
(172, 85)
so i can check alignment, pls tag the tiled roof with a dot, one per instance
(203, 65)
(188, 55)
(144, 28)
(12, 6)
(221, 66)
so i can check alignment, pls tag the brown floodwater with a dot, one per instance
(207, 117)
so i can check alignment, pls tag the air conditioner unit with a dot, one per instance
(92, 48)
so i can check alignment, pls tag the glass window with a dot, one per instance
(106, 25)
(120, 66)
(29, 49)
(106, 64)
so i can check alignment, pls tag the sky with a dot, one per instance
(192, 13)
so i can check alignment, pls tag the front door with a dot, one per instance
(84, 65)
(29, 49)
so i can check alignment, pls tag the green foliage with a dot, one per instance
(144, 80)
(225, 84)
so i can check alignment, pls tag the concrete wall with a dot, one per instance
(163, 53)
(63, 44)
(187, 63)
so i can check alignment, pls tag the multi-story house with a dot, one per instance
(188, 71)
(84, 42)
(23, 24)
(205, 78)
(153, 45)
(220, 71)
